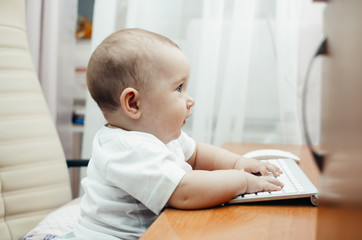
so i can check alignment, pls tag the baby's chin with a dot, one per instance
(172, 138)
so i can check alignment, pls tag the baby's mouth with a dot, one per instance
(188, 115)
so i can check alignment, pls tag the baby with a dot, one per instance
(141, 159)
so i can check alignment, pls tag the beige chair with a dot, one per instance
(34, 179)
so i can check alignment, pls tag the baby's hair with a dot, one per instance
(124, 59)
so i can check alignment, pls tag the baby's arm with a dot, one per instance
(209, 157)
(201, 189)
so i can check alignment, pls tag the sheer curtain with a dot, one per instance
(224, 35)
(247, 62)
(51, 30)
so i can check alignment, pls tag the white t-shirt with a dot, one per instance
(130, 178)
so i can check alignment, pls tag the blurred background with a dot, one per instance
(248, 63)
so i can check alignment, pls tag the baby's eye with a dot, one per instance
(179, 88)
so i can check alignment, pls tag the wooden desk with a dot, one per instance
(280, 220)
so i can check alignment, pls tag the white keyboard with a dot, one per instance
(296, 185)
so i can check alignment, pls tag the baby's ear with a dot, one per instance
(129, 102)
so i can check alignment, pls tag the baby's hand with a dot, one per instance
(262, 183)
(256, 166)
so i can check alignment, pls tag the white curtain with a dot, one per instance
(51, 32)
(248, 60)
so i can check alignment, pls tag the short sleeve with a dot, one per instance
(187, 144)
(150, 172)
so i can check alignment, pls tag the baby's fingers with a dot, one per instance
(276, 171)
(269, 168)
(273, 184)
(263, 170)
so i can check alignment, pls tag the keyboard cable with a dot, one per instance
(318, 155)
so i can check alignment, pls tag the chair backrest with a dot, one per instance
(34, 178)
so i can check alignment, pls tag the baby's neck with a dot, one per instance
(117, 120)
(108, 125)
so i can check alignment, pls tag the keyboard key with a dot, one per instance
(277, 192)
(249, 195)
(289, 190)
(262, 193)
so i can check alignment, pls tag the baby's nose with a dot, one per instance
(190, 102)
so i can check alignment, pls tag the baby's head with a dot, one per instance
(139, 79)
(124, 59)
